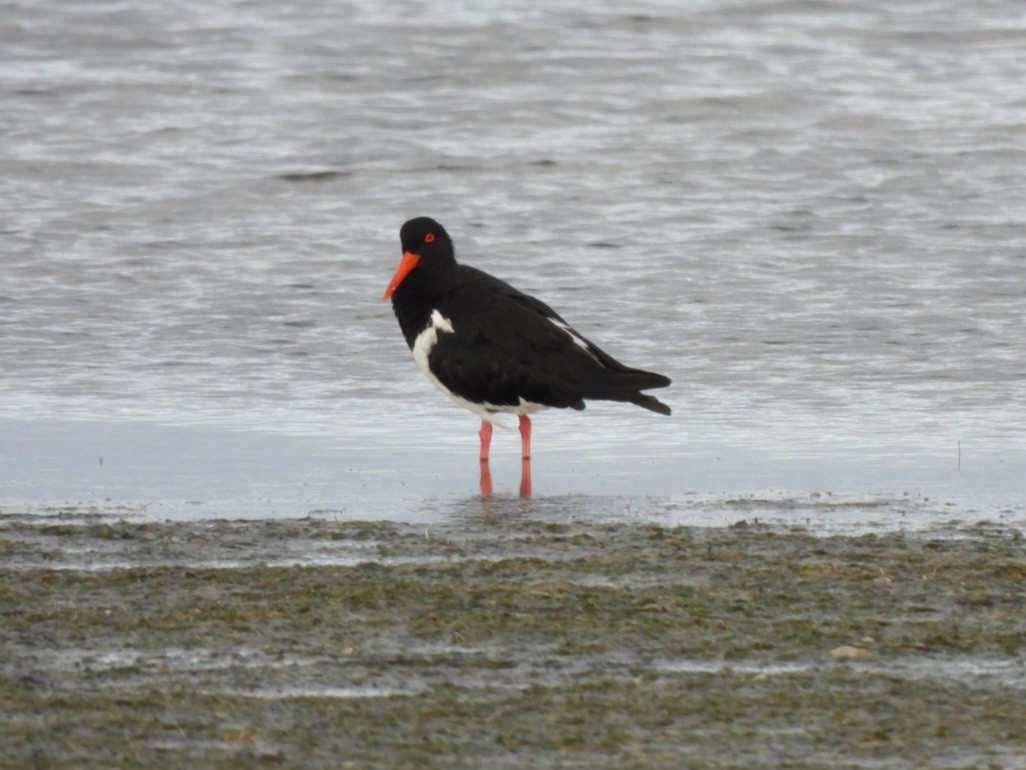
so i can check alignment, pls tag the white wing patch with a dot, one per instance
(578, 340)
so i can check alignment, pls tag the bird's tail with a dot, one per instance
(627, 386)
(650, 402)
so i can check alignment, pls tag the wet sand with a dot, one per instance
(507, 641)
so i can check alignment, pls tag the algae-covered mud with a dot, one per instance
(506, 642)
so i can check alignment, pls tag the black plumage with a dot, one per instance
(505, 348)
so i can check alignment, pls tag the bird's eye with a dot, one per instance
(429, 238)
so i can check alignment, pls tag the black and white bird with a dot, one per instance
(494, 349)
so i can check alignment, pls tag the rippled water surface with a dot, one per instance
(809, 214)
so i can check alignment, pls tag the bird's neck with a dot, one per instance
(414, 300)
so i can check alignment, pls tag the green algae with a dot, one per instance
(526, 644)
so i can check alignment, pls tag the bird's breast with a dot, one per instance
(426, 340)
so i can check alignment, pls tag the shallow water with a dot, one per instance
(808, 215)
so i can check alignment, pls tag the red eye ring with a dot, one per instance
(429, 238)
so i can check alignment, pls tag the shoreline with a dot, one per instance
(157, 472)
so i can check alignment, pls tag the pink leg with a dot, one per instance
(525, 437)
(525, 456)
(486, 444)
(486, 440)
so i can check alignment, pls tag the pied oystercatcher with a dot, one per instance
(494, 349)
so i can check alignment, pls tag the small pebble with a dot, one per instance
(849, 652)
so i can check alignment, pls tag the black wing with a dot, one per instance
(509, 346)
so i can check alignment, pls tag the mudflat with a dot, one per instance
(507, 642)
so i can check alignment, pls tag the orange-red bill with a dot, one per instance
(407, 264)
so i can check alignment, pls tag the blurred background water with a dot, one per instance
(809, 214)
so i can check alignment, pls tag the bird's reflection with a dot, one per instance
(486, 479)
(525, 478)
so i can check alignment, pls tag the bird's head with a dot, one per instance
(426, 246)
